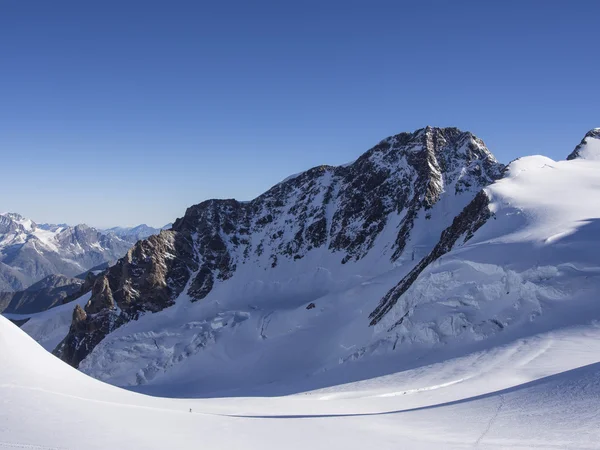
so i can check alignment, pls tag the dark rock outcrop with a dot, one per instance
(147, 279)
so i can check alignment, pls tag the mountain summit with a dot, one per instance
(589, 147)
(323, 230)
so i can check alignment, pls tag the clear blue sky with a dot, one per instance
(122, 112)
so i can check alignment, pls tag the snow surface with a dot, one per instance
(483, 400)
(537, 256)
(529, 269)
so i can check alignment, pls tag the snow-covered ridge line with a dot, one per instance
(532, 264)
(354, 221)
(30, 252)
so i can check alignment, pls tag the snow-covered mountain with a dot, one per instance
(321, 232)
(454, 287)
(134, 234)
(30, 252)
(425, 248)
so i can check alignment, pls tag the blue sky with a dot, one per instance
(118, 112)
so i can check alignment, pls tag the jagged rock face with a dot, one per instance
(147, 279)
(30, 252)
(345, 207)
(339, 211)
(589, 147)
(9, 226)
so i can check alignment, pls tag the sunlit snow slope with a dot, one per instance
(45, 404)
(533, 265)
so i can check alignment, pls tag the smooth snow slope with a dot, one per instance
(45, 404)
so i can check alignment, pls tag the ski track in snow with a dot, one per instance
(491, 422)
(29, 446)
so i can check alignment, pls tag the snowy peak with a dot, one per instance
(347, 207)
(9, 226)
(520, 249)
(16, 217)
(589, 147)
(134, 234)
(444, 156)
(30, 252)
(26, 224)
(411, 237)
(335, 224)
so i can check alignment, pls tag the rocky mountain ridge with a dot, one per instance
(388, 207)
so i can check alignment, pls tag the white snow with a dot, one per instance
(47, 238)
(482, 400)
(533, 267)
(30, 231)
(59, 250)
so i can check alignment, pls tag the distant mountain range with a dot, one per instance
(134, 234)
(30, 252)
(45, 294)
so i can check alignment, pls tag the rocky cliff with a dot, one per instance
(385, 209)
